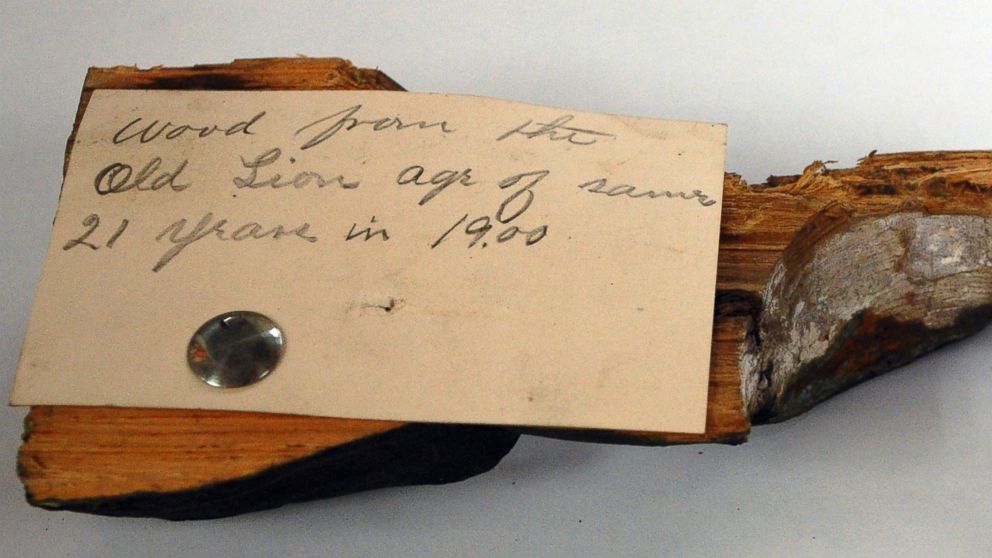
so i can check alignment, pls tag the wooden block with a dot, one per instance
(826, 278)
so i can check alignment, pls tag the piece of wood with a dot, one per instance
(825, 279)
(204, 464)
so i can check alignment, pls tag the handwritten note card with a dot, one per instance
(429, 257)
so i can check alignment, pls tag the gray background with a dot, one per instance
(901, 466)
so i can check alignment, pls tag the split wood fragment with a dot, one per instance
(826, 279)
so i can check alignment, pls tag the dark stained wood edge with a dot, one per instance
(410, 455)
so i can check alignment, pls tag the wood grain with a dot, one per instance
(775, 292)
(137, 450)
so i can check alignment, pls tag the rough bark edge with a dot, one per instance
(866, 287)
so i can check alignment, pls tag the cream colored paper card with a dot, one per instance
(430, 258)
